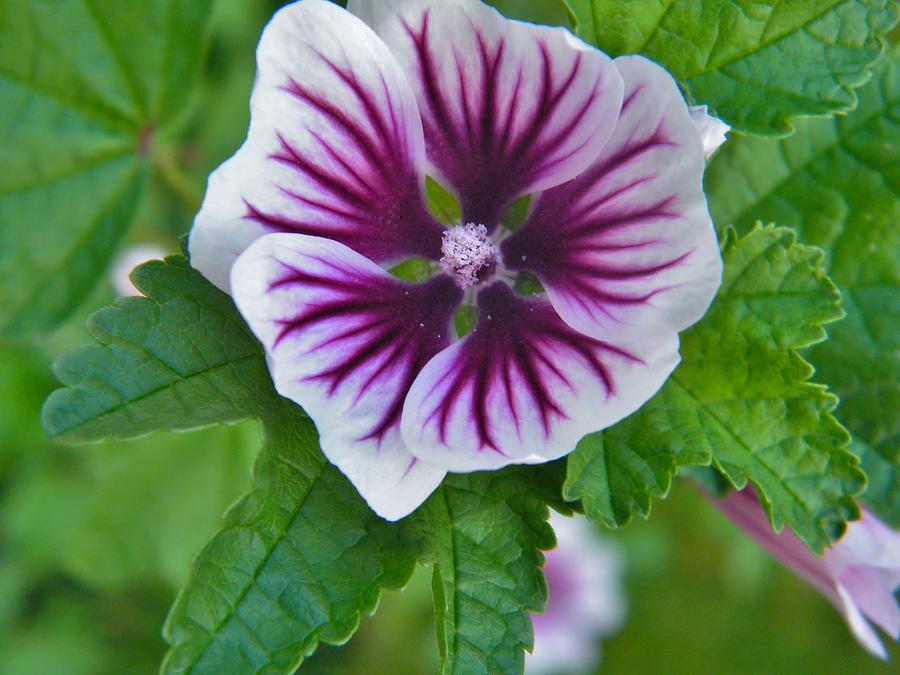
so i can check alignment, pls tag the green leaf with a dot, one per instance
(178, 361)
(838, 181)
(300, 557)
(483, 533)
(756, 63)
(85, 88)
(443, 205)
(617, 472)
(298, 560)
(740, 399)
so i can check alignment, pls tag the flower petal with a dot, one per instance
(629, 247)
(335, 148)
(345, 340)
(523, 387)
(872, 590)
(509, 107)
(862, 630)
(713, 131)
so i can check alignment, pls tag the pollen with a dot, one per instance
(468, 255)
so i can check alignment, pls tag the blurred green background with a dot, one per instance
(95, 541)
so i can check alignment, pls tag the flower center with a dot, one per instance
(468, 255)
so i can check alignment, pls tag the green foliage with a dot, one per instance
(740, 399)
(483, 534)
(181, 360)
(301, 556)
(91, 92)
(757, 64)
(838, 182)
(86, 86)
(297, 562)
(71, 631)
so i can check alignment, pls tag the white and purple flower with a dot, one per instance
(350, 111)
(585, 600)
(859, 574)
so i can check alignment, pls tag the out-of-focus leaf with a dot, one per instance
(25, 380)
(757, 63)
(78, 633)
(740, 399)
(153, 503)
(838, 182)
(86, 86)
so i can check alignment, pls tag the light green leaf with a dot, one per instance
(151, 504)
(118, 515)
(756, 63)
(483, 533)
(70, 622)
(740, 399)
(300, 557)
(86, 86)
(838, 182)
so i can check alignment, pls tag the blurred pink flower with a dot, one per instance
(859, 574)
(586, 602)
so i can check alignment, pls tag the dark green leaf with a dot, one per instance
(180, 360)
(757, 64)
(838, 182)
(740, 399)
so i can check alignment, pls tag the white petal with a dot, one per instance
(713, 131)
(862, 630)
(126, 261)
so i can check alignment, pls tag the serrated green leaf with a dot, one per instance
(300, 557)
(757, 64)
(85, 85)
(178, 361)
(740, 399)
(838, 182)
(297, 562)
(484, 533)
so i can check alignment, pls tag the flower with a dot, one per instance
(349, 112)
(586, 603)
(859, 574)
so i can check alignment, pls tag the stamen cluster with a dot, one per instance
(468, 256)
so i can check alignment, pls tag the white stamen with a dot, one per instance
(467, 252)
